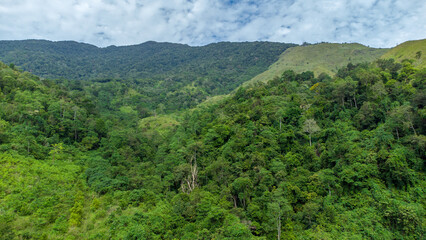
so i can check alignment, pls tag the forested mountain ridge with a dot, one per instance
(73, 60)
(215, 68)
(301, 156)
(167, 77)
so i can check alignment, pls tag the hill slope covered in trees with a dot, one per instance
(301, 157)
(185, 75)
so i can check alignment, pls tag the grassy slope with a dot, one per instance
(162, 124)
(323, 57)
(408, 50)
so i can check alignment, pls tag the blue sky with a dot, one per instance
(377, 23)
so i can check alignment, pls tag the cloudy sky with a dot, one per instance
(377, 23)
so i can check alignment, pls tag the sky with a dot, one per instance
(375, 23)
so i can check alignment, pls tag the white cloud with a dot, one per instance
(379, 23)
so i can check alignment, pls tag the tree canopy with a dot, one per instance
(298, 157)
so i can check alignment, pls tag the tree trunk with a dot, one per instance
(414, 130)
(279, 227)
(310, 140)
(397, 133)
(356, 106)
(235, 200)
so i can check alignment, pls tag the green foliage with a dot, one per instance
(298, 157)
(35, 196)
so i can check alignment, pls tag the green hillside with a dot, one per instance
(320, 58)
(415, 50)
(298, 157)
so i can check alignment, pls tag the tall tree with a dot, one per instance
(310, 126)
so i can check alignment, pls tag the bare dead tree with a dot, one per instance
(191, 182)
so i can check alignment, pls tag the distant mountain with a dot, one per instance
(319, 58)
(415, 50)
(215, 68)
